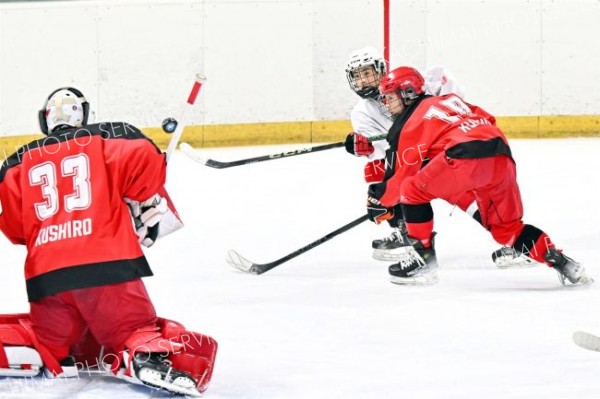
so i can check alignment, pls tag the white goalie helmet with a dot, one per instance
(64, 107)
(368, 56)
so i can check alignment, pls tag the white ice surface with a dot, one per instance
(328, 324)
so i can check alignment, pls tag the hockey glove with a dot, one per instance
(378, 213)
(375, 171)
(146, 218)
(359, 145)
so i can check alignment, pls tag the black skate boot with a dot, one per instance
(567, 268)
(393, 247)
(155, 370)
(420, 266)
(508, 257)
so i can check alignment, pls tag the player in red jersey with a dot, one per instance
(468, 153)
(64, 198)
(370, 118)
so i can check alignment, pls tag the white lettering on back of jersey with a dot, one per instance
(63, 231)
(472, 123)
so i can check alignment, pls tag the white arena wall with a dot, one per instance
(282, 61)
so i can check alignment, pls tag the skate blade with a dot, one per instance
(425, 278)
(396, 254)
(180, 386)
(583, 280)
(507, 262)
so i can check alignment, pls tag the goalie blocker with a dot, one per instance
(168, 357)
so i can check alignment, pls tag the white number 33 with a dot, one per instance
(44, 175)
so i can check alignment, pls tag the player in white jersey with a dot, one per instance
(369, 116)
(371, 120)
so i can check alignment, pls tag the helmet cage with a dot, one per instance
(364, 58)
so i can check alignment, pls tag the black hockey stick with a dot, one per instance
(190, 152)
(239, 262)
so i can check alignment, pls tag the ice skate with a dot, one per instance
(154, 369)
(419, 268)
(567, 268)
(508, 257)
(392, 248)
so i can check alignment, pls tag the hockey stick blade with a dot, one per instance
(193, 154)
(587, 340)
(239, 262)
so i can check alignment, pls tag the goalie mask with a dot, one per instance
(65, 108)
(407, 82)
(359, 60)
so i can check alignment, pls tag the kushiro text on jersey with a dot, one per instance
(70, 229)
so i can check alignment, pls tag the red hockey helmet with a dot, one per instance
(405, 81)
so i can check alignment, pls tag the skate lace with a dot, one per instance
(395, 236)
(392, 237)
(413, 257)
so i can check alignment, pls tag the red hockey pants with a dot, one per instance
(111, 312)
(492, 181)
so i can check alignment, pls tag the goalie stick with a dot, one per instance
(239, 262)
(587, 340)
(200, 79)
(193, 154)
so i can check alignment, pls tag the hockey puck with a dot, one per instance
(169, 125)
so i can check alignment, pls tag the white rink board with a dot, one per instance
(274, 61)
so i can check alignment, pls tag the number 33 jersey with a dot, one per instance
(63, 197)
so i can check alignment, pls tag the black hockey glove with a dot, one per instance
(377, 212)
(359, 145)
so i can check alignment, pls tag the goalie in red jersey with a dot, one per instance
(70, 198)
(468, 153)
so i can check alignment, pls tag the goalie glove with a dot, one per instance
(146, 217)
(359, 145)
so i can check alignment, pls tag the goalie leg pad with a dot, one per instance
(197, 354)
(19, 361)
(21, 355)
(168, 357)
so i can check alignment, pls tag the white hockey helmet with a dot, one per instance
(368, 56)
(65, 107)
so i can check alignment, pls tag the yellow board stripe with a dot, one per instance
(334, 131)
